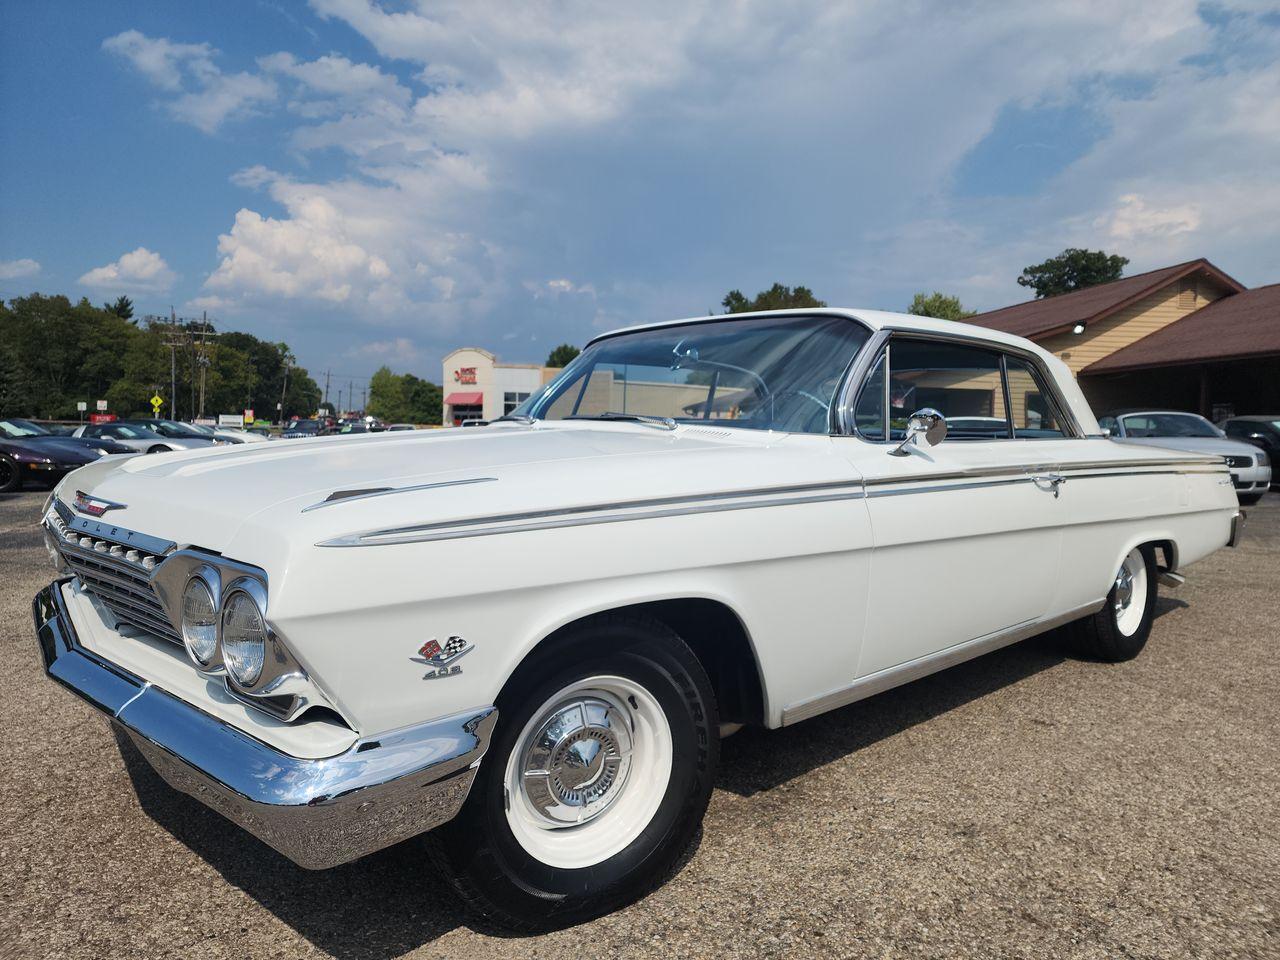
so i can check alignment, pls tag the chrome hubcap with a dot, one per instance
(576, 765)
(1124, 588)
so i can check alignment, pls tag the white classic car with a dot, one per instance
(527, 637)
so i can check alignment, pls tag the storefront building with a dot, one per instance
(478, 387)
(1186, 337)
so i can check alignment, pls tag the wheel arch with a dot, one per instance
(713, 630)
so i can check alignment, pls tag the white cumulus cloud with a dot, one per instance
(139, 270)
(15, 269)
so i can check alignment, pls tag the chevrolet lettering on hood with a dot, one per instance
(694, 526)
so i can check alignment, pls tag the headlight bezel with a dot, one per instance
(284, 689)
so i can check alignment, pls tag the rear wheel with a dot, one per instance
(10, 475)
(1120, 629)
(596, 780)
(158, 448)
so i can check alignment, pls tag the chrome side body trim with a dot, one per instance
(661, 507)
(604, 513)
(875, 683)
(318, 813)
(394, 490)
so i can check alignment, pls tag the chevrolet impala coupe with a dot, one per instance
(525, 639)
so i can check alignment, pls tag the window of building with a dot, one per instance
(461, 414)
(512, 400)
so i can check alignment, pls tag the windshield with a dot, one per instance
(761, 373)
(126, 432)
(13, 429)
(1167, 425)
(172, 428)
(305, 425)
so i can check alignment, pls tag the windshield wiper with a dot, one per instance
(662, 423)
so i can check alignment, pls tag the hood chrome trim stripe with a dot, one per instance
(394, 490)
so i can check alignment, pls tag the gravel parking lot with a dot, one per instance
(1025, 805)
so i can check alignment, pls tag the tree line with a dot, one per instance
(54, 353)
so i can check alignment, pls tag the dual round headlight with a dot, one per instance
(243, 629)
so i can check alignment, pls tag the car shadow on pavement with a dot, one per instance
(756, 760)
(381, 906)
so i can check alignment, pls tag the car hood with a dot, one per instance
(250, 501)
(55, 448)
(1219, 446)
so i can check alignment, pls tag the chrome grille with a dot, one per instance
(1240, 462)
(118, 575)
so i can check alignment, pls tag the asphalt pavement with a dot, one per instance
(1026, 804)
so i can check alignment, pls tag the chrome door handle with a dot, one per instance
(1055, 480)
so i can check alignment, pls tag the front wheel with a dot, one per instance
(1249, 499)
(10, 475)
(158, 448)
(1120, 629)
(596, 780)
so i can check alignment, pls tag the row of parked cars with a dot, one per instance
(1249, 444)
(32, 454)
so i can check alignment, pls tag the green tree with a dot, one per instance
(386, 396)
(404, 398)
(1072, 269)
(777, 297)
(122, 308)
(939, 306)
(562, 355)
(55, 354)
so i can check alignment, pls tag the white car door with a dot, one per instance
(967, 534)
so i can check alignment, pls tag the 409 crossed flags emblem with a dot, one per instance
(442, 657)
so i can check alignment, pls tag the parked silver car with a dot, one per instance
(1177, 430)
(139, 438)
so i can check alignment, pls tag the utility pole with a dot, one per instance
(173, 343)
(326, 388)
(288, 361)
(364, 398)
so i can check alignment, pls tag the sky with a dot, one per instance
(381, 182)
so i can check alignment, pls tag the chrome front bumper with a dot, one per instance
(318, 813)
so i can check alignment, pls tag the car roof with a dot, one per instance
(1255, 417)
(1141, 411)
(875, 319)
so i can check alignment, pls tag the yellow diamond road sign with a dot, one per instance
(157, 401)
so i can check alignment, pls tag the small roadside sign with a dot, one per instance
(102, 406)
(156, 403)
(82, 406)
(248, 415)
(229, 420)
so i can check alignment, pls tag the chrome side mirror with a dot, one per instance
(926, 424)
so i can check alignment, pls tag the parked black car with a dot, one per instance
(304, 428)
(173, 429)
(43, 462)
(1262, 431)
(14, 428)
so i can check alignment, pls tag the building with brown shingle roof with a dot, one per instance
(1186, 337)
